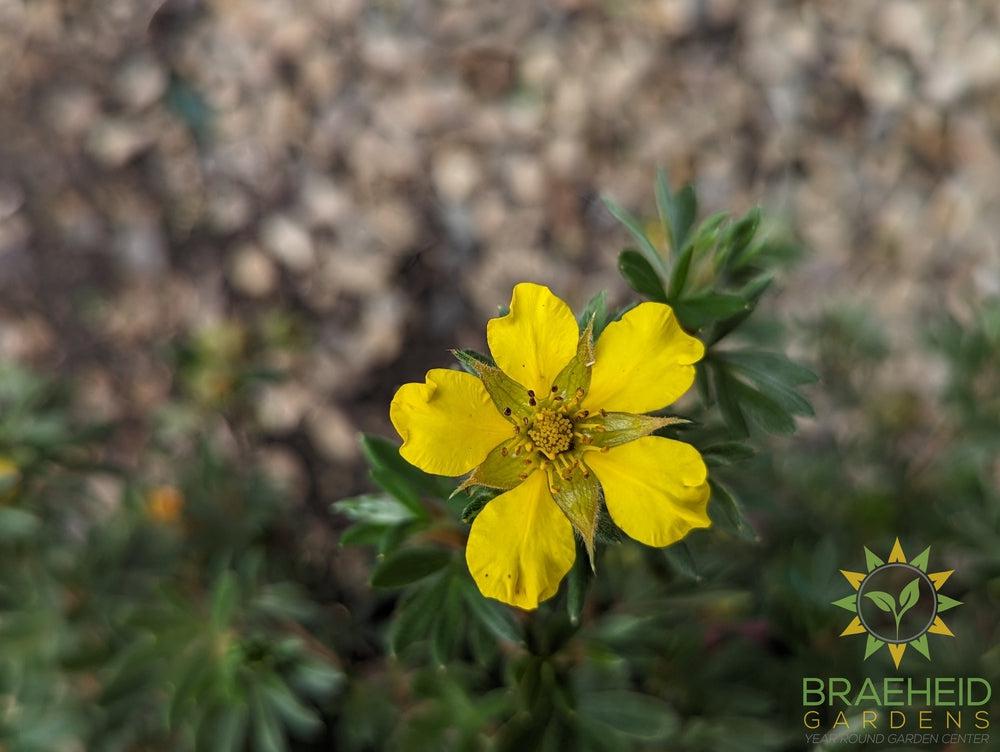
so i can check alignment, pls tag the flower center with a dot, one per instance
(552, 432)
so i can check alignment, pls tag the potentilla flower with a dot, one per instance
(558, 426)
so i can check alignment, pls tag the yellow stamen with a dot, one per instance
(552, 432)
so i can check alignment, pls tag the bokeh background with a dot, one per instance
(293, 206)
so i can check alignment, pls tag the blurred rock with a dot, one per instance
(253, 273)
(288, 242)
(456, 174)
(333, 434)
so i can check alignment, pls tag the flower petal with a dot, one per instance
(521, 545)
(448, 424)
(644, 361)
(655, 489)
(536, 339)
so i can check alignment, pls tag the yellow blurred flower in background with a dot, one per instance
(558, 425)
(165, 504)
(10, 479)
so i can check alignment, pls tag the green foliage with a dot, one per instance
(127, 622)
(173, 605)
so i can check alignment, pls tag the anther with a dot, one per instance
(583, 413)
(528, 461)
(506, 411)
(503, 451)
(531, 401)
(523, 476)
(580, 392)
(604, 413)
(531, 392)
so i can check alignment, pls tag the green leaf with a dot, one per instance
(685, 210)
(224, 598)
(17, 524)
(725, 392)
(377, 509)
(884, 601)
(751, 293)
(230, 729)
(785, 397)
(448, 624)
(698, 310)
(267, 733)
(739, 237)
(630, 713)
(771, 364)
(679, 273)
(632, 225)
(664, 202)
(397, 476)
(577, 586)
(762, 411)
(316, 679)
(727, 453)
(677, 211)
(640, 275)
(495, 617)
(681, 561)
(409, 565)
(415, 617)
(909, 596)
(362, 534)
(730, 512)
(302, 720)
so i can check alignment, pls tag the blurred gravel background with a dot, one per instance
(369, 179)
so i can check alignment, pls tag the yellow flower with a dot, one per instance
(558, 426)
(10, 480)
(164, 504)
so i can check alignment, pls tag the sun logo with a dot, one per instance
(897, 603)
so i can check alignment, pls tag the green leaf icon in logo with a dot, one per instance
(908, 598)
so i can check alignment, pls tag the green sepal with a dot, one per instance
(502, 468)
(579, 497)
(509, 397)
(576, 374)
(596, 311)
(614, 429)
